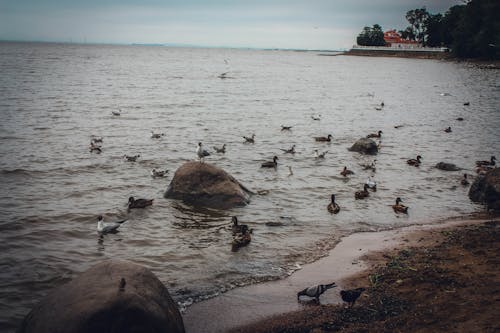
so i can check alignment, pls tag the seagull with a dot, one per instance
(317, 155)
(116, 113)
(249, 139)
(156, 135)
(371, 184)
(111, 227)
(289, 151)
(350, 296)
(221, 150)
(201, 152)
(157, 173)
(131, 158)
(315, 291)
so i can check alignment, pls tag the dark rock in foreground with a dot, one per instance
(94, 303)
(486, 189)
(206, 185)
(447, 166)
(365, 146)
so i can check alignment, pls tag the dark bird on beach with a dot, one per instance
(106, 228)
(249, 139)
(375, 135)
(286, 128)
(362, 194)
(202, 153)
(399, 207)
(415, 161)
(289, 151)
(131, 158)
(448, 129)
(270, 164)
(333, 207)
(464, 180)
(345, 172)
(350, 296)
(221, 150)
(323, 138)
(121, 286)
(139, 203)
(486, 163)
(315, 291)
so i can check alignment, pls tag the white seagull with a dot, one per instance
(104, 228)
(201, 152)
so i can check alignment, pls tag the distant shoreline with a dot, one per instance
(399, 54)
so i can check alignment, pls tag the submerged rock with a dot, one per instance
(207, 185)
(486, 189)
(113, 296)
(447, 166)
(365, 146)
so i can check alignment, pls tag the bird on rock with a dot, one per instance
(202, 153)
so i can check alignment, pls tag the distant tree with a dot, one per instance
(371, 36)
(407, 33)
(417, 18)
(434, 30)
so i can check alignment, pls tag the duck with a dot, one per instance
(157, 173)
(116, 113)
(378, 108)
(333, 207)
(95, 148)
(110, 227)
(221, 150)
(202, 153)
(237, 228)
(324, 138)
(371, 184)
(460, 119)
(131, 158)
(448, 129)
(350, 296)
(249, 139)
(415, 161)
(286, 128)
(289, 151)
(362, 194)
(241, 239)
(346, 172)
(375, 135)
(464, 180)
(139, 203)
(156, 135)
(315, 291)
(486, 163)
(316, 117)
(270, 164)
(317, 155)
(399, 208)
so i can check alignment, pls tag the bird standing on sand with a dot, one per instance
(105, 228)
(270, 164)
(350, 296)
(315, 291)
(201, 152)
(399, 207)
(333, 207)
(139, 203)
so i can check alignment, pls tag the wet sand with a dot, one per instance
(353, 255)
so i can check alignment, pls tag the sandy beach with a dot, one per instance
(348, 264)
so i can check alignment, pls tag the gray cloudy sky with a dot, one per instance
(306, 24)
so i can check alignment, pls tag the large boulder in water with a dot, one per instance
(365, 146)
(447, 166)
(486, 189)
(113, 296)
(207, 185)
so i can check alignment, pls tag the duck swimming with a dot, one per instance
(362, 194)
(289, 151)
(448, 129)
(237, 228)
(399, 208)
(95, 148)
(131, 158)
(415, 161)
(270, 164)
(249, 139)
(324, 138)
(157, 173)
(286, 128)
(346, 172)
(139, 203)
(156, 135)
(375, 135)
(116, 113)
(221, 150)
(105, 228)
(318, 155)
(484, 163)
(333, 207)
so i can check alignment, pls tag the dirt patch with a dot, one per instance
(452, 284)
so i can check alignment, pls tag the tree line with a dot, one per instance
(471, 30)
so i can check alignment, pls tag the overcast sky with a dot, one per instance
(304, 24)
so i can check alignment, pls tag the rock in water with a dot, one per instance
(365, 146)
(486, 189)
(447, 166)
(93, 303)
(206, 185)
